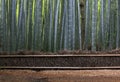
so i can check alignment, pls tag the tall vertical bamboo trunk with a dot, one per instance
(118, 25)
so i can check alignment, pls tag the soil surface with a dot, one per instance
(60, 76)
(22, 52)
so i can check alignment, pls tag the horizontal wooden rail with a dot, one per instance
(62, 68)
(61, 55)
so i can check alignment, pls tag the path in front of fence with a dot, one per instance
(60, 76)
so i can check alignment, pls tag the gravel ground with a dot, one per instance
(60, 76)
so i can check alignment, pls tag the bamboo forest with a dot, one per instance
(56, 25)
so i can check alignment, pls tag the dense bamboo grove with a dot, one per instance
(52, 25)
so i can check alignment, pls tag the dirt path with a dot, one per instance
(60, 76)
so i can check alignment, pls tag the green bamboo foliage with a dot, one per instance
(53, 25)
